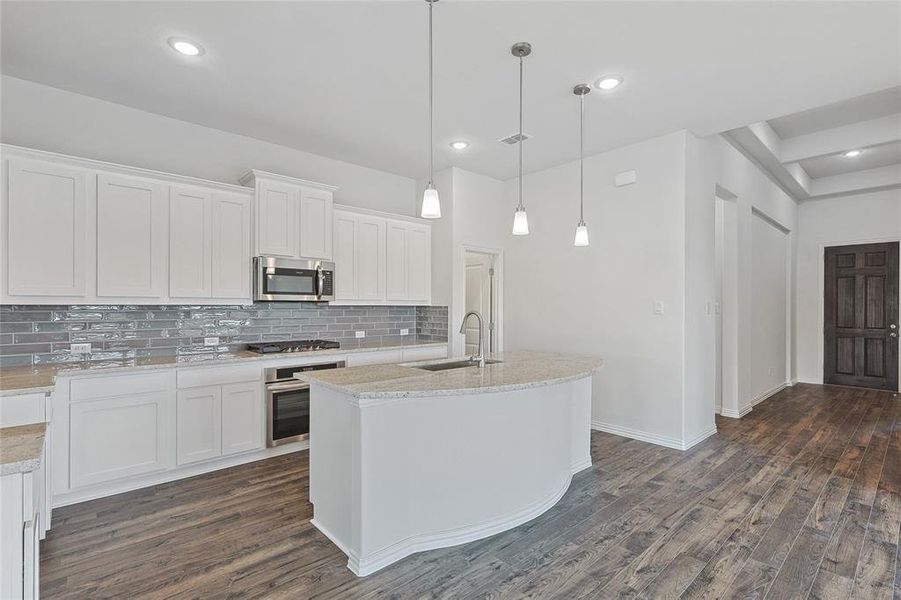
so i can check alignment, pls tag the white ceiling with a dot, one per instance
(853, 110)
(348, 79)
(870, 158)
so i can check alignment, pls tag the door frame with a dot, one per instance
(821, 297)
(459, 295)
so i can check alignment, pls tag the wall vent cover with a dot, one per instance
(511, 140)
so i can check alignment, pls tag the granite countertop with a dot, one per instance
(42, 378)
(21, 447)
(517, 370)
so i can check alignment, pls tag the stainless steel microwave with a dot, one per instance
(293, 280)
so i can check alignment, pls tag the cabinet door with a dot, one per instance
(132, 230)
(242, 417)
(316, 224)
(117, 436)
(198, 424)
(346, 254)
(277, 218)
(419, 263)
(46, 220)
(231, 247)
(396, 261)
(370, 273)
(190, 242)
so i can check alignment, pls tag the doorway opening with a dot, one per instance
(726, 304)
(481, 295)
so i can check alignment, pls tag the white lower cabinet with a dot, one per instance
(20, 530)
(218, 420)
(116, 436)
(198, 424)
(242, 417)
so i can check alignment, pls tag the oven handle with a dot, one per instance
(286, 387)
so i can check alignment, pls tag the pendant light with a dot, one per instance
(520, 219)
(581, 238)
(431, 205)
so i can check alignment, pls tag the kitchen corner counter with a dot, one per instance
(21, 448)
(42, 378)
(515, 371)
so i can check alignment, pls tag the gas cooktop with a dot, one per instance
(292, 346)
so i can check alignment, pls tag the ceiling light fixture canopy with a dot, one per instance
(608, 82)
(186, 47)
(581, 238)
(520, 218)
(431, 204)
(852, 153)
(459, 145)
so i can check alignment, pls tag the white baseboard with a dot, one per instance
(135, 483)
(653, 438)
(736, 414)
(770, 392)
(375, 561)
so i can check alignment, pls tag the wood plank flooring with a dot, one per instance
(801, 498)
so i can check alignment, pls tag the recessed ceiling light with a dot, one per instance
(459, 145)
(608, 82)
(186, 47)
(852, 153)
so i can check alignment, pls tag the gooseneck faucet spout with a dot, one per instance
(480, 357)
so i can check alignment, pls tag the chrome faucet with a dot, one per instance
(481, 355)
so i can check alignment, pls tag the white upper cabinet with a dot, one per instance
(209, 244)
(396, 266)
(419, 268)
(190, 242)
(370, 271)
(231, 246)
(132, 231)
(346, 254)
(46, 206)
(277, 212)
(80, 231)
(293, 216)
(316, 224)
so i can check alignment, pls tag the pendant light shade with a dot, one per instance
(520, 219)
(520, 222)
(581, 235)
(431, 205)
(581, 238)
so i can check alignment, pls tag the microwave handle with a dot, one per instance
(320, 276)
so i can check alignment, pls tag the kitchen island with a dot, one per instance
(416, 456)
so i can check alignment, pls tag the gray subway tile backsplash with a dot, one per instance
(42, 334)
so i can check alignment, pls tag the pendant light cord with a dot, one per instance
(581, 159)
(431, 110)
(520, 132)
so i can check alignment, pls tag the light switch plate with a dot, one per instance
(211, 341)
(80, 348)
(658, 307)
(405, 332)
(360, 334)
(625, 178)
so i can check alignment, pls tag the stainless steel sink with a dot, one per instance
(457, 364)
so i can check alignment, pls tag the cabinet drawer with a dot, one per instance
(218, 375)
(374, 358)
(23, 410)
(427, 353)
(118, 385)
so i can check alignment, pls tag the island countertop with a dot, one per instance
(516, 370)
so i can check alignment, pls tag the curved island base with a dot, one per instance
(404, 460)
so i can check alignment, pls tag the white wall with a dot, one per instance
(715, 166)
(37, 116)
(768, 307)
(599, 300)
(874, 217)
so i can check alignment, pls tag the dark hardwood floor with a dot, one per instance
(801, 498)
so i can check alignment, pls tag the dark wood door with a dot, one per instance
(861, 314)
